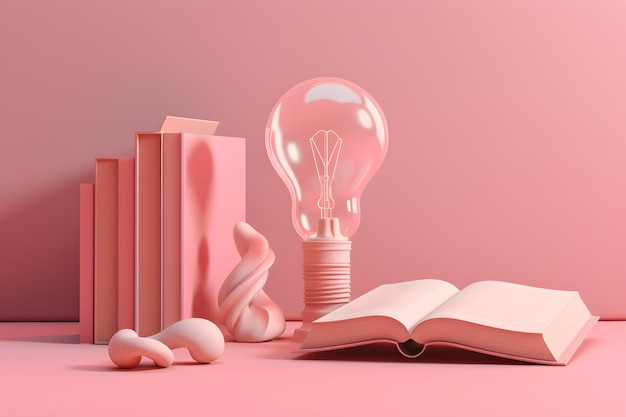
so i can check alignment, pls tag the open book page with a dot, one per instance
(512, 319)
(406, 302)
(506, 306)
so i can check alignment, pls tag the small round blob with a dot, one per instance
(126, 349)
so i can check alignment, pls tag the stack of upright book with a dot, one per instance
(156, 228)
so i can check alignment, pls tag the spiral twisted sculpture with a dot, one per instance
(244, 308)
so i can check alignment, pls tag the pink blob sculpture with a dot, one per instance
(244, 308)
(202, 338)
(126, 349)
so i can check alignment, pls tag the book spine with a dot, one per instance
(86, 255)
(171, 243)
(105, 249)
(148, 233)
(126, 243)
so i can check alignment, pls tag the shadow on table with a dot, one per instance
(388, 352)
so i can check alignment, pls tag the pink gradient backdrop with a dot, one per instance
(507, 155)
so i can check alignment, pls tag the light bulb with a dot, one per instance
(326, 138)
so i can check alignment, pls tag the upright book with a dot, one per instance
(496, 318)
(204, 178)
(147, 233)
(126, 242)
(105, 249)
(190, 187)
(86, 255)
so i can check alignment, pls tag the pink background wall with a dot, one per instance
(507, 156)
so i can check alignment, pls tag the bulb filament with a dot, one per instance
(326, 155)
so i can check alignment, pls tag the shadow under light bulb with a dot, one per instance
(326, 138)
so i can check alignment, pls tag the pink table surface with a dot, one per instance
(45, 372)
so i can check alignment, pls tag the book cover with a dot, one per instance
(203, 199)
(86, 256)
(105, 250)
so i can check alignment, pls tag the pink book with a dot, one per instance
(203, 199)
(174, 124)
(148, 233)
(105, 250)
(126, 243)
(501, 319)
(86, 256)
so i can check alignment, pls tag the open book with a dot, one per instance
(497, 318)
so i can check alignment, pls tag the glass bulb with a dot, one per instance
(326, 138)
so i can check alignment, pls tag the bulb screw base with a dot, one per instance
(326, 273)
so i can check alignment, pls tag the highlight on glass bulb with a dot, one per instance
(326, 138)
